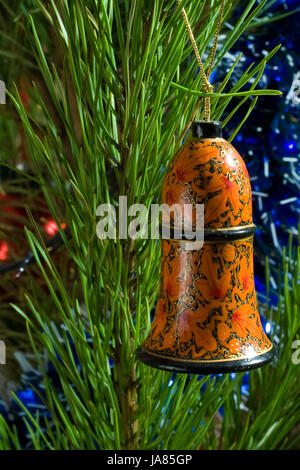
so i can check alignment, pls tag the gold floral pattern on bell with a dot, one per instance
(206, 317)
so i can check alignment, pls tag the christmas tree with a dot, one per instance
(99, 97)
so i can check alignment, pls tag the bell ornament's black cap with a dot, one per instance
(207, 129)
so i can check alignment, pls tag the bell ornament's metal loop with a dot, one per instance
(206, 319)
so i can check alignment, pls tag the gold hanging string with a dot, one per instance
(215, 43)
(207, 87)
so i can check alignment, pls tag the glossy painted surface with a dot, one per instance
(206, 307)
(206, 310)
(210, 172)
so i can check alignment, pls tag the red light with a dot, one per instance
(52, 228)
(3, 251)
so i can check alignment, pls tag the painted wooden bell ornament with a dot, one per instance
(206, 318)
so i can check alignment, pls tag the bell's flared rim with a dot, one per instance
(205, 367)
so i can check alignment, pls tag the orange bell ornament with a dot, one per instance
(206, 319)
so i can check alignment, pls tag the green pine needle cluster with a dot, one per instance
(113, 88)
